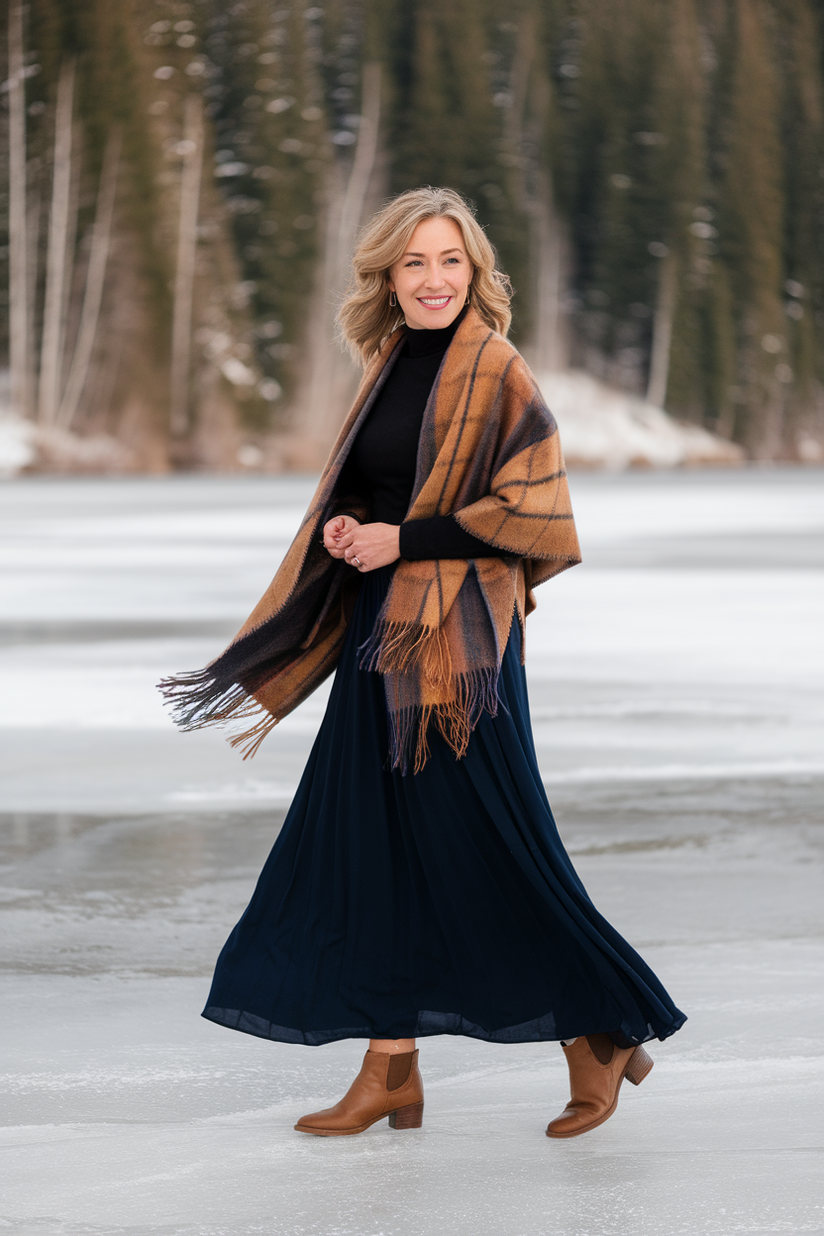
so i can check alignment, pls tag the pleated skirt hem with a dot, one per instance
(429, 1024)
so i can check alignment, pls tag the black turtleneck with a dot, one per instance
(381, 466)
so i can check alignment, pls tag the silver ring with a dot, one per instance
(356, 561)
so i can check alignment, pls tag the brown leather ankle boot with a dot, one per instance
(596, 1069)
(387, 1085)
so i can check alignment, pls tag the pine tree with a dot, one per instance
(798, 45)
(108, 97)
(649, 170)
(751, 223)
(452, 75)
(267, 108)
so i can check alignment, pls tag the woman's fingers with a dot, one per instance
(334, 533)
(373, 545)
(365, 547)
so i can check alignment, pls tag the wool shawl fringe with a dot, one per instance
(396, 648)
(454, 719)
(197, 700)
(401, 647)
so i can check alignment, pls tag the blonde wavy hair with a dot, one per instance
(365, 317)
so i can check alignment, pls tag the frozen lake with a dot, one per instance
(677, 685)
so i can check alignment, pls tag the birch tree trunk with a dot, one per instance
(662, 331)
(95, 279)
(18, 248)
(34, 208)
(185, 271)
(531, 183)
(329, 369)
(68, 279)
(51, 351)
(548, 250)
(362, 167)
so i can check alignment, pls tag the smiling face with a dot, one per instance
(431, 279)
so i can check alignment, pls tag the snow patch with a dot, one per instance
(24, 445)
(16, 445)
(606, 428)
(61, 451)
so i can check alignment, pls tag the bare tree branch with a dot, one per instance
(662, 330)
(18, 248)
(51, 351)
(328, 368)
(95, 278)
(185, 273)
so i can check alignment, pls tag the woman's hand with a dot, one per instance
(334, 530)
(369, 546)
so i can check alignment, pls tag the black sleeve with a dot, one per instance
(441, 537)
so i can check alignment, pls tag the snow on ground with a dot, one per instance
(16, 446)
(602, 427)
(676, 682)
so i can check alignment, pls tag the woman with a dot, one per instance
(418, 885)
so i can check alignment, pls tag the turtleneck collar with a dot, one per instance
(428, 342)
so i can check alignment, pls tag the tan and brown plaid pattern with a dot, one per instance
(489, 454)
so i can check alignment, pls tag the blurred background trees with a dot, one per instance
(182, 184)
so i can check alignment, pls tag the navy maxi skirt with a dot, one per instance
(437, 903)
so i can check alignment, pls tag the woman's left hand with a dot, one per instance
(370, 546)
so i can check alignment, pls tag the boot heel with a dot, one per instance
(639, 1065)
(410, 1117)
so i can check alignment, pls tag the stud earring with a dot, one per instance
(393, 300)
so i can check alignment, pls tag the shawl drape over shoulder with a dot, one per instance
(489, 454)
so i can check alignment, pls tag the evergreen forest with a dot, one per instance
(182, 183)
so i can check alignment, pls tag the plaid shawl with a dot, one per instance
(489, 454)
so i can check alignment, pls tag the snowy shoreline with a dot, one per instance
(601, 428)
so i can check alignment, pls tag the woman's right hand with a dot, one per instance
(334, 530)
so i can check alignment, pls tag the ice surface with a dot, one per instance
(676, 681)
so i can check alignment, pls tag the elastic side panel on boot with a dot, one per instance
(399, 1069)
(602, 1047)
